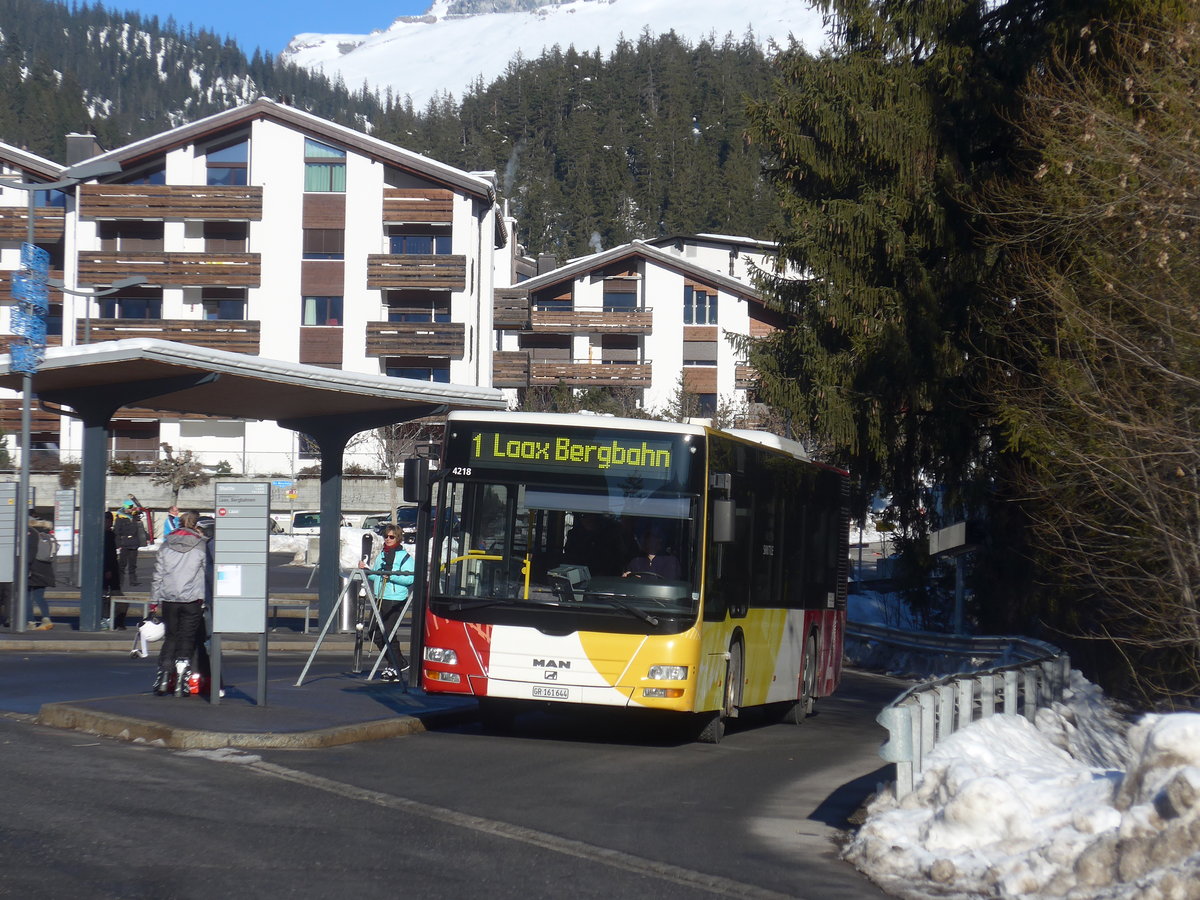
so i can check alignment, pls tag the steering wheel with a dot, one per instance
(643, 575)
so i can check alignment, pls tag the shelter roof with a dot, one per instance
(248, 387)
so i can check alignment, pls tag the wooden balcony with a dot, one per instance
(172, 269)
(510, 309)
(589, 374)
(236, 336)
(49, 224)
(420, 206)
(443, 339)
(510, 369)
(594, 321)
(744, 377)
(155, 201)
(447, 272)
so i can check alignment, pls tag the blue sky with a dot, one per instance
(270, 24)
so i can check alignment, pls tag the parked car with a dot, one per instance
(309, 522)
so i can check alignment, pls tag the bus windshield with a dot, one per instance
(626, 555)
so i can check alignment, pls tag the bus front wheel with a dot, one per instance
(712, 727)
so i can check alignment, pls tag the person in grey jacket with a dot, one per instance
(182, 584)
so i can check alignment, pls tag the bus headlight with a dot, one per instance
(667, 673)
(443, 655)
(447, 677)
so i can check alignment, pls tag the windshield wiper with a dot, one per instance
(614, 600)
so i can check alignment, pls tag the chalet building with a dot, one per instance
(646, 319)
(267, 231)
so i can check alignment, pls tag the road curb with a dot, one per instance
(74, 717)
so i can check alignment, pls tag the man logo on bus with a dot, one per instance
(552, 674)
(552, 664)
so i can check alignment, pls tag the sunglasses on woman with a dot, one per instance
(391, 537)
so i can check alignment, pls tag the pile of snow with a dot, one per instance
(1074, 806)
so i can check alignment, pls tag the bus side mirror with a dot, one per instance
(416, 481)
(722, 521)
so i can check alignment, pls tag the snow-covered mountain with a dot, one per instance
(441, 53)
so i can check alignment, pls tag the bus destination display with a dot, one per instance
(608, 455)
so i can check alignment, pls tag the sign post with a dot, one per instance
(241, 544)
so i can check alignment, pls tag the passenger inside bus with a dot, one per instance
(655, 560)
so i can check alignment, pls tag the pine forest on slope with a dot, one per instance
(591, 151)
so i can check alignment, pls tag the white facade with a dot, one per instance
(454, 346)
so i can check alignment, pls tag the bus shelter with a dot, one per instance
(93, 381)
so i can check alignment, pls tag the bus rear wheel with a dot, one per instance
(801, 709)
(712, 727)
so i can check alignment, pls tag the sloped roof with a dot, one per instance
(637, 249)
(16, 158)
(262, 108)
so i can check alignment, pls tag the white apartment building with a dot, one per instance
(272, 232)
(647, 317)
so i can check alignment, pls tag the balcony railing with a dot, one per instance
(172, 269)
(510, 369)
(421, 206)
(510, 309)
(591, 321)
(446, 339)
(156, 201)
(589, 374)
(387, 271)
(744, 377)
(236, 336)
(515, 369)
(49, 224)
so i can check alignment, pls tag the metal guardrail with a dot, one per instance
(933, 710)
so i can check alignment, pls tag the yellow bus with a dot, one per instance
(581, 559)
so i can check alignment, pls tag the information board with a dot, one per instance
(64, 521)
(241, 543)
(8, 526)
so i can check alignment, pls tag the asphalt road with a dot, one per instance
(606, 806)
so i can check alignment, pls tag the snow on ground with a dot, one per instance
(1074, 805)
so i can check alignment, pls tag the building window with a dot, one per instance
(707, 404)
(420, 244)
(699, 306)
(418, 306)
(130, 236)
(229, 165)
(324, 243)
(322, 311)
(54, 319)
(548, 301)
(418, 368)
(324, 168)
(699, 353)
(131, 307)
(156, 175)
(228, 304)
(226, 237)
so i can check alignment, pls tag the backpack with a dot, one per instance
(47, 547)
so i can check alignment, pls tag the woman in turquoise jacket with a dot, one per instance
(390, 578)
